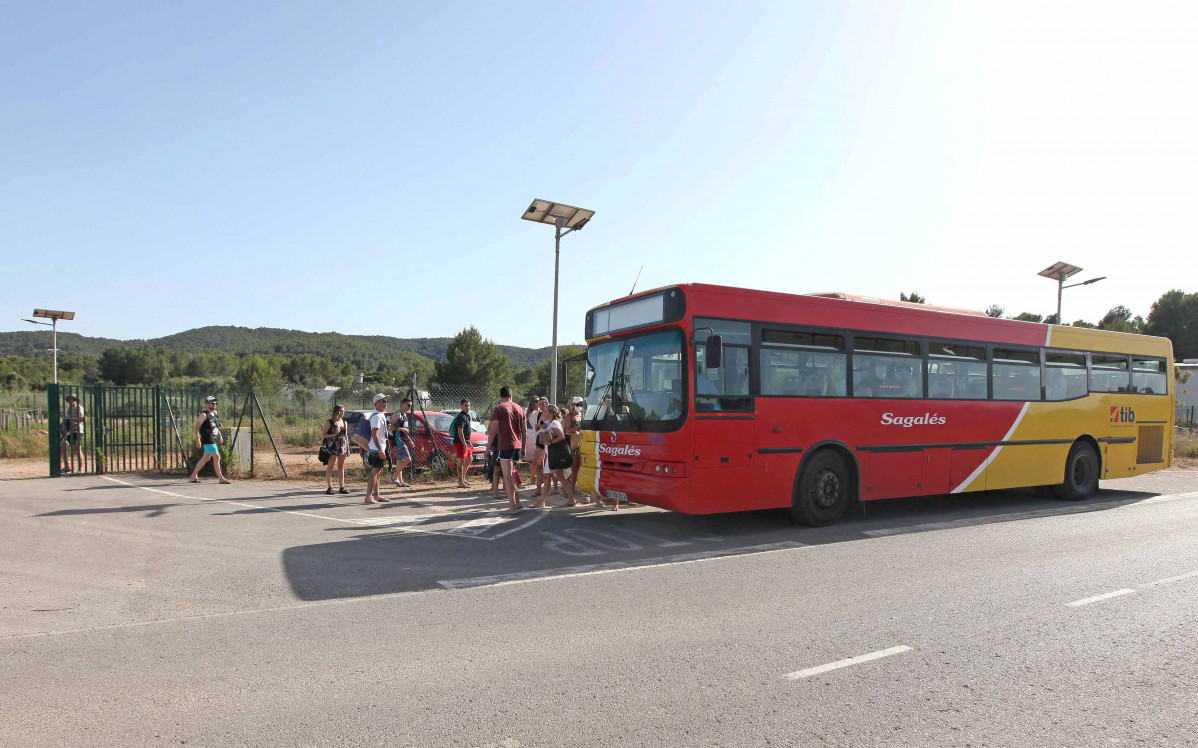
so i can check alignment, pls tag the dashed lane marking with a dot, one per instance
(1098, 598)
(818, 669)
(1171, 580)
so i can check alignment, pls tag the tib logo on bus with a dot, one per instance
(1122, 414)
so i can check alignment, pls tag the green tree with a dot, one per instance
(574, 373)
(1028, 317)
(308, 370)
(994, 310)
(913, 297)
(1052, 319)
(1085, 324)
(141, 364)
(260, 373)
(1175, 316)
(1120, 319)
(471, 360)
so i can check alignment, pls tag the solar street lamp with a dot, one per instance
(53, 316)
(560, 217)
(1061, 272)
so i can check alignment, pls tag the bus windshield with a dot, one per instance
(635, 384)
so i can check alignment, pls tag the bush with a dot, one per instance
(229, 463)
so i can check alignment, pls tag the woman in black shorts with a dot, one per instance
(336, 440)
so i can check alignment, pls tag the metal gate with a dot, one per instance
(110, 429)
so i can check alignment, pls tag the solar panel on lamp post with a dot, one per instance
(561, 217)
(52, 315)
(1060, 272)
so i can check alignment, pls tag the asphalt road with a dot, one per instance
(147, 611)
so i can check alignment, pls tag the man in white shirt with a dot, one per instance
(376, 457)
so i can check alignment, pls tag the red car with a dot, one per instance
(431, 433)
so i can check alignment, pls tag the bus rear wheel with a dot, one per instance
(823, 493)
(1081, 473)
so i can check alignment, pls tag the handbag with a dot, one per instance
(559, 457)
(323, 454)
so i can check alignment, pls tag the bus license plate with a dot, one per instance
(617, 495)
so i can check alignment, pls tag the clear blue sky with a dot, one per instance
(362, 167)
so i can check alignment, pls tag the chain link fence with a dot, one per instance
(1184, 417)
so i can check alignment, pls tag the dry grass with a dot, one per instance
(24, 444)
(1185, 444)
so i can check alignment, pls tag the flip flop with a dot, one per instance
(195, 480)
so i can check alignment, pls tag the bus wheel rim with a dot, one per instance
(827, 489)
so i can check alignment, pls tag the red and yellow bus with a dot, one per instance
(704, 399)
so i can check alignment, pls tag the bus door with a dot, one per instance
(724, 428)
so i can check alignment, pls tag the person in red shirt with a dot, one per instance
(507, 427)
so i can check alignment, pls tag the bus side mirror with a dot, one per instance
(714, 354)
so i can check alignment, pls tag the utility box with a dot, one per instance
(242, 449)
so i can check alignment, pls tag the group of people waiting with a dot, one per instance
(545, 436)
(387, 441)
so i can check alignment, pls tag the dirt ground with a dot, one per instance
(24, 467)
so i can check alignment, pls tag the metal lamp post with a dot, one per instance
(1060, 272)
(564, 218)
(53, 316)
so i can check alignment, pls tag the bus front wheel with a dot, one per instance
(1081, 473)
(823, 490)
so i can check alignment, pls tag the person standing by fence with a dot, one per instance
(376, 449)
(336, 441)
(72, 433)
(401, 441)
(461, 442)
(209, 438)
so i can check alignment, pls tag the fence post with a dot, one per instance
(100, 458)
(52, 414)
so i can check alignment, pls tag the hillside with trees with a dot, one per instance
(216, 354)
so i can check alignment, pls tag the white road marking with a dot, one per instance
(545, 575)
(818, 669)
(400, 523)
(1171, 580)
(1104, 505)
(517, 528)
(478, 526)
(1097, 598)
(1168, 497)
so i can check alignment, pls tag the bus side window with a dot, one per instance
(1108, 373)
(725, 388)
(1016, 374)
(1148, 376)
(1065, 375)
